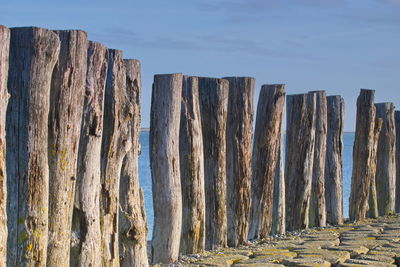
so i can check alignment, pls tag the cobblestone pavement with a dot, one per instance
(372, 243)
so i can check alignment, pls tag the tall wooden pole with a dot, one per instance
(4, 51)
(33, 54)
(132, 217)
(317, 202)
(373, 197)
(213, 107)
(86, 219)
(386, 160)
(362, 153)
(164, 162)
(66, 103)
(266, 161)
(192, 170)
(116, 143)
(334, 160)
(397, 122)
(300, 142)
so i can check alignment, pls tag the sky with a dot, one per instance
(335, 45)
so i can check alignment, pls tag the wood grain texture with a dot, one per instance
(33, 55)
(373, 197)
(386, 160)
(362, 153)
(239, 134)
(164, 162)
(118, 111)
(300, 142)
(213, 107)
(266, 163)
(192, 170)
(66, 104)
(317, 212)
(132, 216)
(86, 234)
(334, 160)
(4, 96)
(397, 125)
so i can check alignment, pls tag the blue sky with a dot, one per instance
(335, 45)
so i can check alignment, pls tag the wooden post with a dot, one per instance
(333, 161)
(373, 198)
(118, 111)
(4, 50)
(266, 160)
(164, 162)
(300, 142)
(213, 107)
(386, 160)
(362, 152)
(239, 131)
(192, 170)
(132, 216)
(397, 122)
(317, 202)
(33, 54)
(86, 220)
(66, 102)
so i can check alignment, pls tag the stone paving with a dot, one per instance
(372, 243)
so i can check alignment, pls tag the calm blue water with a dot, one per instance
(145, 175)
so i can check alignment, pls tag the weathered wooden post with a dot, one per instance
(213, 108)
(33, 54)
(373, 198)
(278, 205)
(164, 160)
(300, 142)
(86, 220)
(386, 160)
(4, 51)
(362, 152)
(317, 201)
(239, 133)
(118, 111)
(267, 196)
(333, 161)
(66, 103)
(397, 122)
(192, 170)
(132, 216)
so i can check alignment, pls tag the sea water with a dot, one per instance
(145, 175)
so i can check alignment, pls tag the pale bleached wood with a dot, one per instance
(4, 96)
(132, 215)
(267, 196)
(118, 111)
(362, 152)
(213, 94)
(397, 125)
(239, 133)
(192, 170)
(300, 142)
(317, 212)
(164, 162)
(373, 198)
(66, 103)
(334, 160)
(386, 161)
(33, 54)
(86, 219)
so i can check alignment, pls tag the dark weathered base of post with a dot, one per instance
(397, 121)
